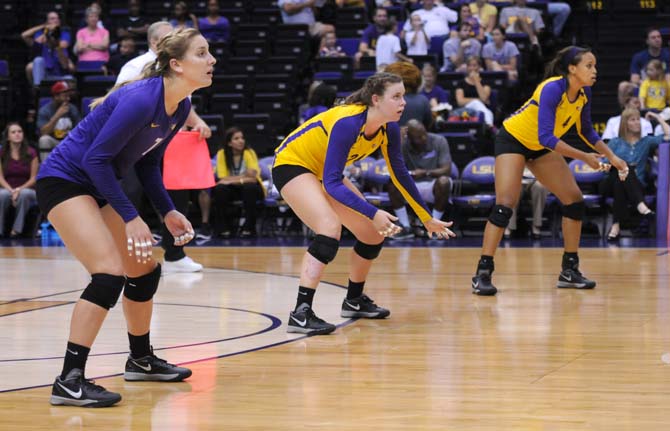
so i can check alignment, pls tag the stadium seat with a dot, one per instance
(479, 172)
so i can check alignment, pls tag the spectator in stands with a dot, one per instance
(214, 27)
(433, 91)
(654, 51)
(95, 6)
(51, 42)
(329, 46)
(417, 105)
(18, 170)
(134, 24)
(238, 178)
(368, 42)
(56, 119)
(501, 54)
(458, 48)
(655, 89)
(416, 39)
(614, 123)
(486, 13)
(300, 12)
(175, 258)
(465, 15)
(472, 94)
(538, 198)
(125, 53)
(559, 12)
(388, 48)
(635, 151)
(435, 18)
(92, 42)
(428, 161)
(522, 19)
(320, 100)
(182, 17)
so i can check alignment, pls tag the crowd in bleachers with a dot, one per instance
(472, 62)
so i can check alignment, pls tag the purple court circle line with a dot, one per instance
(211, 358)
(275, 322)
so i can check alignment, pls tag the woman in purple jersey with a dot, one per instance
(78, 190)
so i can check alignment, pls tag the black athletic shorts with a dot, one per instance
(53, 190)
(282, 174)
(506, 143)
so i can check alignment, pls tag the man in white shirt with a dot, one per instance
(131, 185)
(435, 19)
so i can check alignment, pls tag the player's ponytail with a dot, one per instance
(570, 55)
(173, 45)
(375, 84)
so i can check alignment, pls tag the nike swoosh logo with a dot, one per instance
(154, 125)
(568, 278)
(475, 285)
(131, 284)
(303, 293)
(355, 307)
(74, 353)
(299, 322)
(147, 368)
(76, 395)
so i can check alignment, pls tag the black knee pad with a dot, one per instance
(500, 215)
(143, 288)
(104, 290)
(367, 251)
(324, 248)
(575, 211)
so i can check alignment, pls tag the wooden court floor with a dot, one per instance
(532, 358)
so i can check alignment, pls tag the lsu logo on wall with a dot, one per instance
(483, 169)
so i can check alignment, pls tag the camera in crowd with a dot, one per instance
(52, 34)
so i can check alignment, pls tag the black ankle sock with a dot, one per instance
(485, 263)
(305, 296)
(75, 357)
(355, 289)
(140, 345)
(570, 260)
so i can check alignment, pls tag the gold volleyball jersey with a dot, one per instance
(328, 142)
(548, 115)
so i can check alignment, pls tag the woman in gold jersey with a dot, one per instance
(532, 137)
(308, 173)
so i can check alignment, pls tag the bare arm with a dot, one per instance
(48, 128)
(27, 35)
(635, 78)
(293, 8)
(3, 182)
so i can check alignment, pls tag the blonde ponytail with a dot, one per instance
(172, 45)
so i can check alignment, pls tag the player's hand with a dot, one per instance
(384, 223)
(620, 166)
(179, 227)
(63, 109)
(202, 127)
(593, 160)
(439, 228)
(140, 240)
